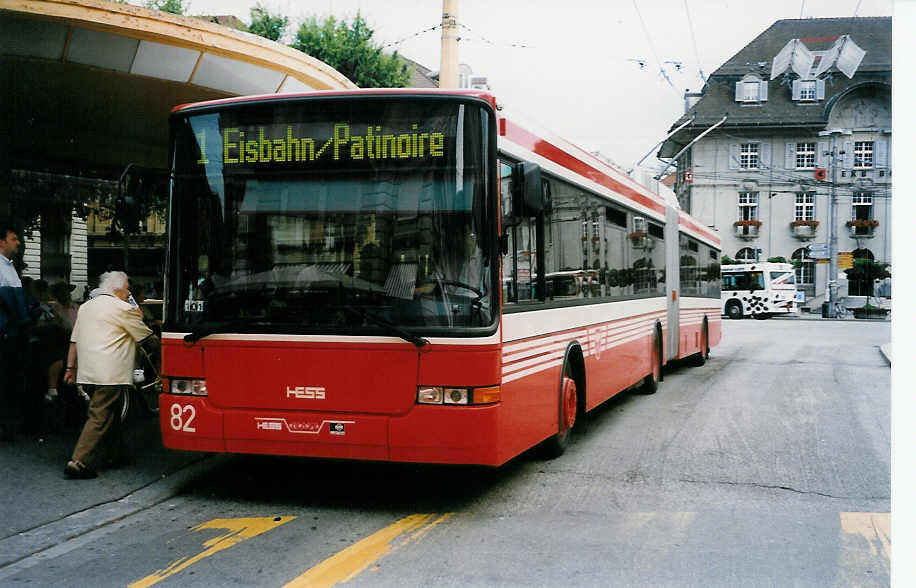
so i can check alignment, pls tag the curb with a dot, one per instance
(885, 352)
(31, 547)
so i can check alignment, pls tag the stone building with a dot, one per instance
(807, 122)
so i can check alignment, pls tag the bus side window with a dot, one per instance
(741, 281)
(756, 281)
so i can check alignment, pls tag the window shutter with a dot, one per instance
(821, 89)
(764, 155)
(850, 156)
(790, 155)
(796, 90)
(763, 91)
(739, 92)
(881, 154)
(734, 157)
(822, 160)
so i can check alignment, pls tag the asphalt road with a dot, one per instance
(767, 466)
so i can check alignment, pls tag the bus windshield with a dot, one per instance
(333, 216)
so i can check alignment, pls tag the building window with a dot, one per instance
(747, 205)
(750, 156)
(805, 155)
(746, 255)
(862, 206)
(807, 90)
(864, 154)
(804, 267)
(751, 91)
(804, 206)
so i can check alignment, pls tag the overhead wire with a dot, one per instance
(495, 44)
(408, 37)
(693, 37)
(661, 68)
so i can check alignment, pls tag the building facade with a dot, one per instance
(801, 123)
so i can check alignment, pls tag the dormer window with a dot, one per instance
(807, 90)
(751, 89)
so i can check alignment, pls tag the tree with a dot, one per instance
(863, 274)
(267, 25)
(348, 48)
(172, 6)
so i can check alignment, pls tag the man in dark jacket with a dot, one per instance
(13, 318)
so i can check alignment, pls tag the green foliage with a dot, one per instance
(267, 25)
(867, 269)
(779, 259)
(172, 6)
(348, 48)
(726, 260)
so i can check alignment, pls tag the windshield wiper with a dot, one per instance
(393, 328)
(222, 327)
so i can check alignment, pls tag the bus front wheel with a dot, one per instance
(569, 405)
(733, 310)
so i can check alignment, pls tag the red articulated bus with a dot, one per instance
(408, 275)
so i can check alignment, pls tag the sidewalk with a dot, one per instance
(41, 508)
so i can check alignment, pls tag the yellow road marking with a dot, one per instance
(874, 527)
(345, 565)
(238, 531)
(864, 554)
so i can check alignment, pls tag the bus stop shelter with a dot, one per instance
(87, 88)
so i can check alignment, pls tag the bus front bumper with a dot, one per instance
(427, 434)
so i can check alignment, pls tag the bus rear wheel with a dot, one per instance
(569, 403)
(733, 310)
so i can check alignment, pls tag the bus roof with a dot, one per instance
(483, 95)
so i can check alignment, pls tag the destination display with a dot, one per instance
(263, 145)
(324, 144)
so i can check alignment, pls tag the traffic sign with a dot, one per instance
(818, 251)
(844, 260)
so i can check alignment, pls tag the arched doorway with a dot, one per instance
(746, 255)
(862, 276)
(804, 271)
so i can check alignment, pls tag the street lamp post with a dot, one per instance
(832, 241)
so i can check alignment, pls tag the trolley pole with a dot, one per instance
(448, 58)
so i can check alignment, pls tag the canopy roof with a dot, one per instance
(91, 83)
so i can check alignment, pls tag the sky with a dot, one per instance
(573, 66)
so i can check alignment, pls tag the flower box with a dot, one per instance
(861, 227)
(747, 229)
(870, 312)
(804, 229)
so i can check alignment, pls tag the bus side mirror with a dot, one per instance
(531, 196)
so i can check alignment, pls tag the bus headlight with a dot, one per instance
(188, 387)
(457, 396)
